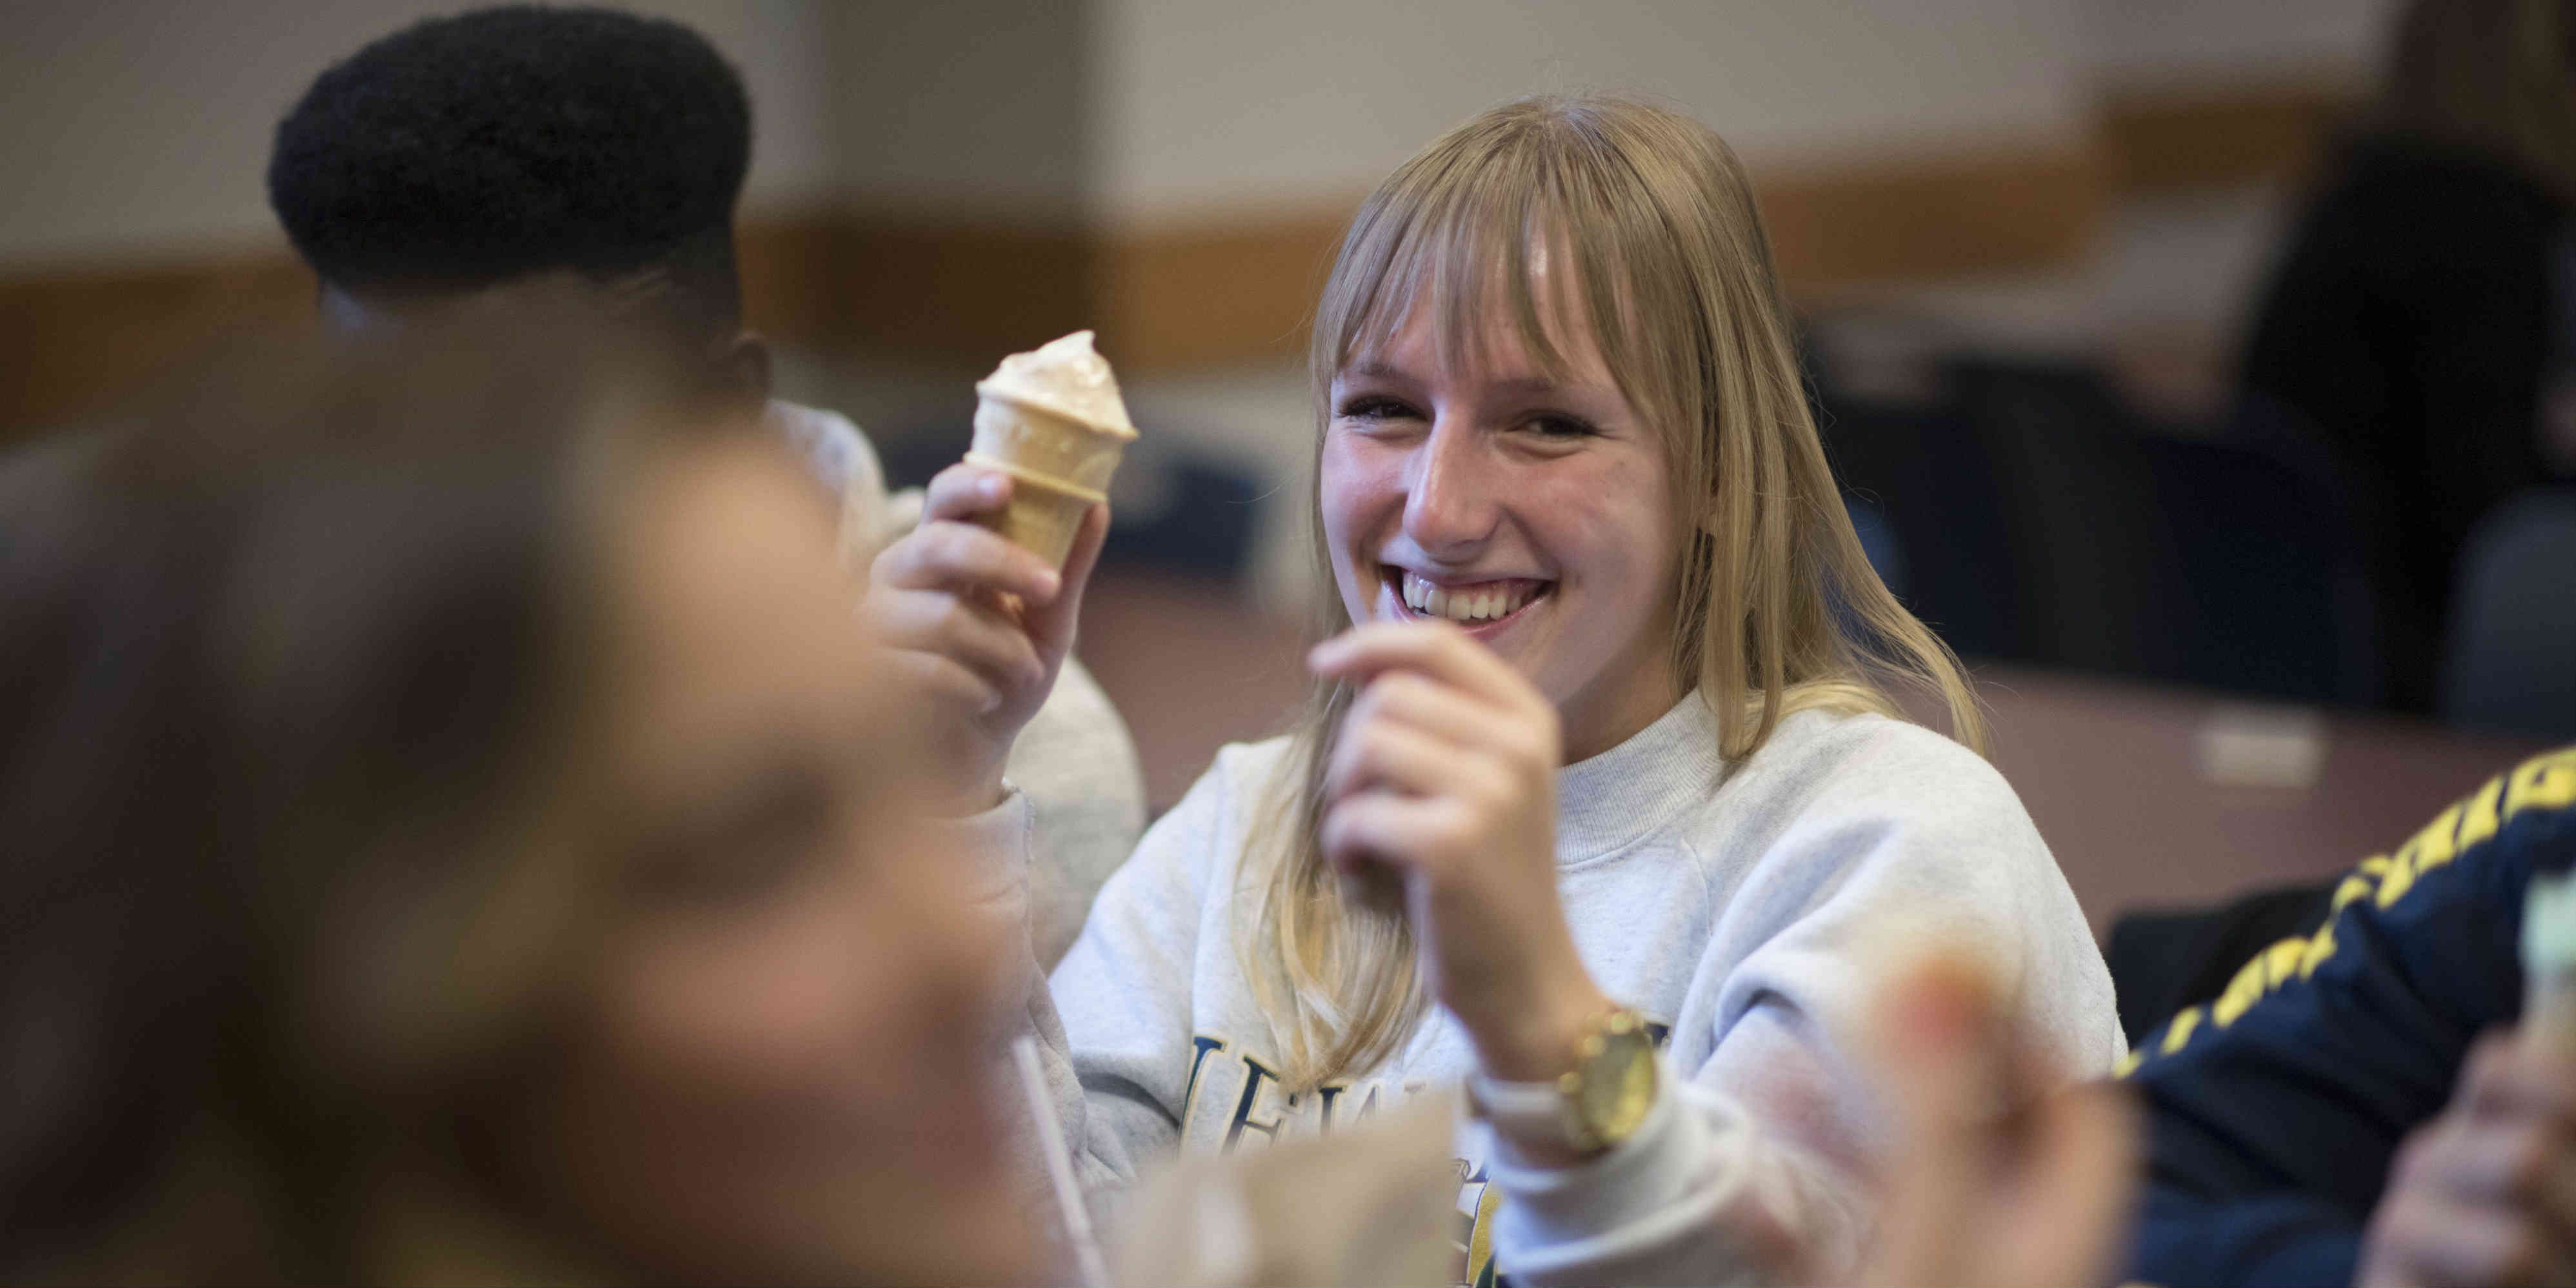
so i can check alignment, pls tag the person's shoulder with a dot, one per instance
(1197, 839)
(831, 443)
(1847, 753)
(1863, 782)
(1237, 781)
(1248, 770)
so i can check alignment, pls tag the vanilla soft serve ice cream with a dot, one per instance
(1052, 420)
(1065, 376)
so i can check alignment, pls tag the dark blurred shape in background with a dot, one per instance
(2422, 322)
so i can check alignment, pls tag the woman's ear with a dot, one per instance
(745, 362)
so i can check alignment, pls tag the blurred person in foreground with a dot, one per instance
(2370, 1102)
(2422, 320)
(453, 835)
(475, 150)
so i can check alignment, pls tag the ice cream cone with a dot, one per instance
(1047, 443)
(1052, 420)
(1043, 514)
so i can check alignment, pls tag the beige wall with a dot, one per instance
(974, 108)
(1212, 106)
(139, 128)
(2179, 42)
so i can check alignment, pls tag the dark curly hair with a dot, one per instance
(469, 150)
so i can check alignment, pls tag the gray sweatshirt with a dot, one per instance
(1738, 908)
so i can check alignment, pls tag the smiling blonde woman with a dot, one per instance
(1603, 794)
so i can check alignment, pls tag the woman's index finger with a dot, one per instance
(1439, 651)
(963, 491)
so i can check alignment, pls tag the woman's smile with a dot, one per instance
(1483, 606)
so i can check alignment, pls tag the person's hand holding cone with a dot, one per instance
(979, 624)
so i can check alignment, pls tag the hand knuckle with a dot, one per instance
(1366, 708)
(954, 684)
(952, 620)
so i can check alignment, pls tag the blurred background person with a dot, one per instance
(453, 836)
(2422, 321)
(2386, 1093)
(470, 151)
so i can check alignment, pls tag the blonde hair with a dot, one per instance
(1775, 609)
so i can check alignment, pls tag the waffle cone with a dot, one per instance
(1048, 443)
(1043, 514)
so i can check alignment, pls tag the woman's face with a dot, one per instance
(784, 1073)
(1534, 513)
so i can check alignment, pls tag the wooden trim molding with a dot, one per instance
(1237, 292)
(1225, 293)
(913, 286)
(2159, 141)
(72, 340)
(2008, 212)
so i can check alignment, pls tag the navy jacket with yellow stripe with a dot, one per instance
(2274, 1112)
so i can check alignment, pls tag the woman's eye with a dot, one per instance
(1376, 407)
(1558, 425)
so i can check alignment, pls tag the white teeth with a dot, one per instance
(1461, 605)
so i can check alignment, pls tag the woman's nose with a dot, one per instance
(1449, 506)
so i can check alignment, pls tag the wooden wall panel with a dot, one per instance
(2179, 140)
(71, 342)
(1220, 294)
(897, 286)
(1968, 216)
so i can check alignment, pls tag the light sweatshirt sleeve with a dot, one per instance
(1125, 989)
(1769, 1125)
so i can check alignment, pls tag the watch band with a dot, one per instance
(1615, 1062)
(1530, 1110)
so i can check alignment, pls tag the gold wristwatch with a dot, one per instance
(1592, 1107)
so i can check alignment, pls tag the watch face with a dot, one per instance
(1619, 1084)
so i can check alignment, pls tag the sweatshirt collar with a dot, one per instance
(1624, 793)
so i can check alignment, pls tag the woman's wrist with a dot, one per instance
(1541, 1043)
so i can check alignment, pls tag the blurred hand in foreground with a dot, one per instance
(2485, 1194)
(1995, 1181)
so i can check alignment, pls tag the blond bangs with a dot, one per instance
(1454, 240)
